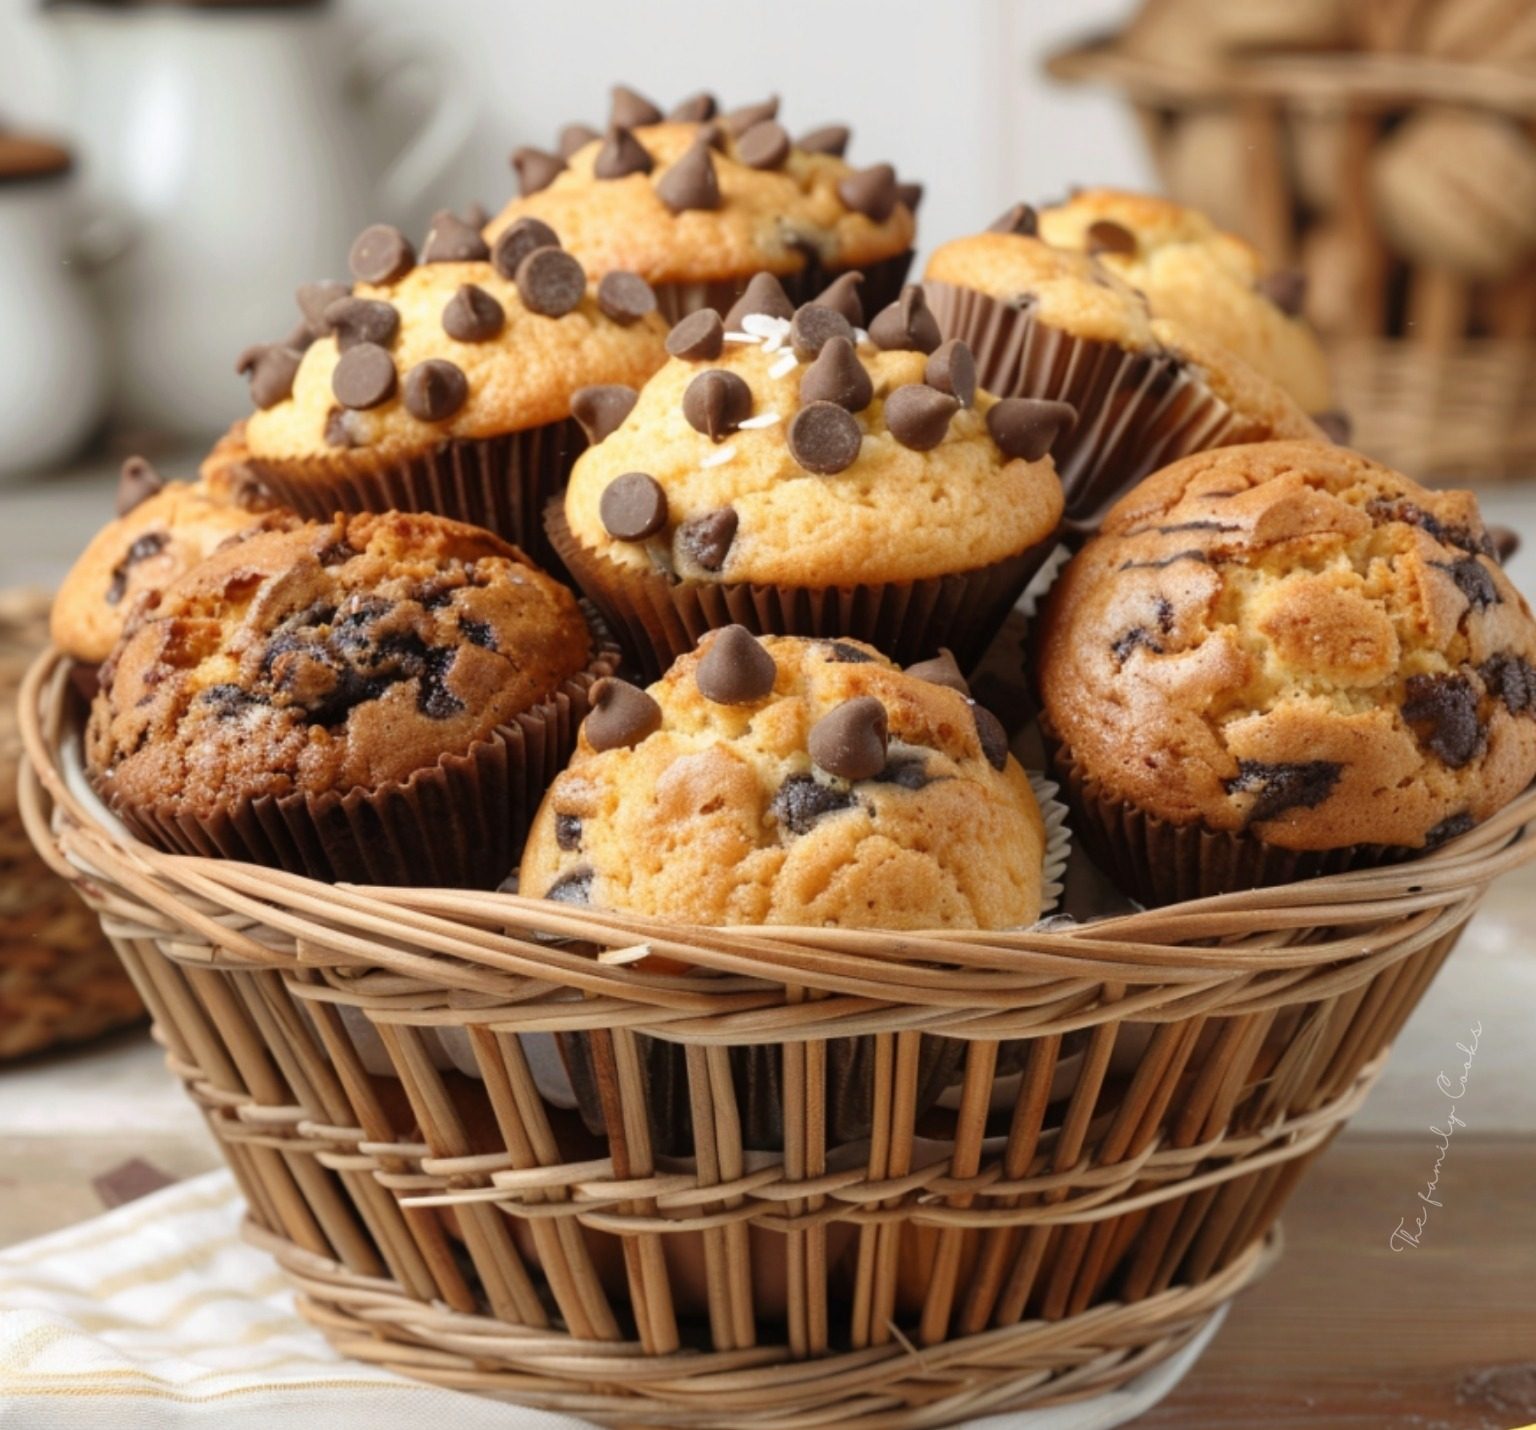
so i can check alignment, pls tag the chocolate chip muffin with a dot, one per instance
(443, 381)
(790, 781)
(698, 201)
(1282, 660)
(1203, 278)
(1057, 323)
(380, 699)
(793, 473)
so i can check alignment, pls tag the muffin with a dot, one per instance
(789, 472)
(789, 781)
(1206, 280)
(697, 202)
(444, 384)
(1284, 660)
(161, 531)
(379, 699)
(1055, 323)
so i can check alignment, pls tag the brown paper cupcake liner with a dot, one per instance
(500, 483)
(658, 617)
(460, 823)
(1137, 411)
(882, 285)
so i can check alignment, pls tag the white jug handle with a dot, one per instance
(382, 59)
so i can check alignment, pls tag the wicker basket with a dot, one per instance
(1058, 1231)
(59, 980)
(1437, 370)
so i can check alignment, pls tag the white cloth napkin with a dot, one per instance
(157, 1316)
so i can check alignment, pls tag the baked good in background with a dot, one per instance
(443, 380)
(1056, 323)
(699, 200)
(377, 699)
(789, 472)
(1283, 660)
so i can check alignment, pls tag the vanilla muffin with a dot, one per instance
(697, 202)
(1207, 280)
(1281, 660)
(791, 473)
(444, 383)
(1057, 323)
(380, 698)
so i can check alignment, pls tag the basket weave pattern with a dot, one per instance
(1048, 1236)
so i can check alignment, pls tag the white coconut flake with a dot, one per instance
(719, 455)
(860, 335)
(786, 364)
(763, 419)
(741, 338)
(773, 331)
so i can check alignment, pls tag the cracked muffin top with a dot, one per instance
(790, 781)
(335, 656)
(1291, 639)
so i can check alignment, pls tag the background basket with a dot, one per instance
(1402, 185)
(59, 979)
(369, 1060)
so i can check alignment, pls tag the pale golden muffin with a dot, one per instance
(1208, 280)
(715, 198)
(1294, 644)
(708, 799)
(312, 670)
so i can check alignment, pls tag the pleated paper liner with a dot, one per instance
(1137, 411)
(882, 284)
(658, 617)
(500, 483)
(460, 823)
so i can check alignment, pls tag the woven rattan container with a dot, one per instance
(1354, 167)
(1135, 1100)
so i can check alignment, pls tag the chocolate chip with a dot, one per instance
(906, 772)
(829, 139)
(909, 194)
(1463, 538)
(451, 240)
(341, 428)
(712, 136)
(1448, 829)
(765, 295)
(472, 315)
(551, 282)
(475, 215)
(735, 668)
(695, 109)
(906, 324)
(622, 715)
(813, 326)
(381, 254)
(1106, 236)
(716, 403)
(700, 337)
(271, 369)
(435, 390)
(951, 368)
(842, 295)
(842, 653)
(1512, 679)
(621, 155)
(850, 741)
(803, 799)
(625, 297)
(362, 320)
(364, 377)
(738, 121)
(1026, 427)
(1021, 219)
(1279, 787)
(150, 543)
(299, 337)
(633, 507)
(1286, 288)
(536, 169)
(1128, 642)
(764, 146)
(1335, 426)
(517, 241)
(871, 191)
(994, 739)
(574, 887)
(314, 298)
(707, 539)
(918, 415)
(837, 376)
(574, 137)
(1443, 710)
(824, 438)
(601, 409)
(1472, 580)
(1504, 542)
(137, 481)
(690, 183)
(630, 109)
(567, 832)
(941, 670)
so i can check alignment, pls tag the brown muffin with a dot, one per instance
(1285, 659)
(377, 698)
